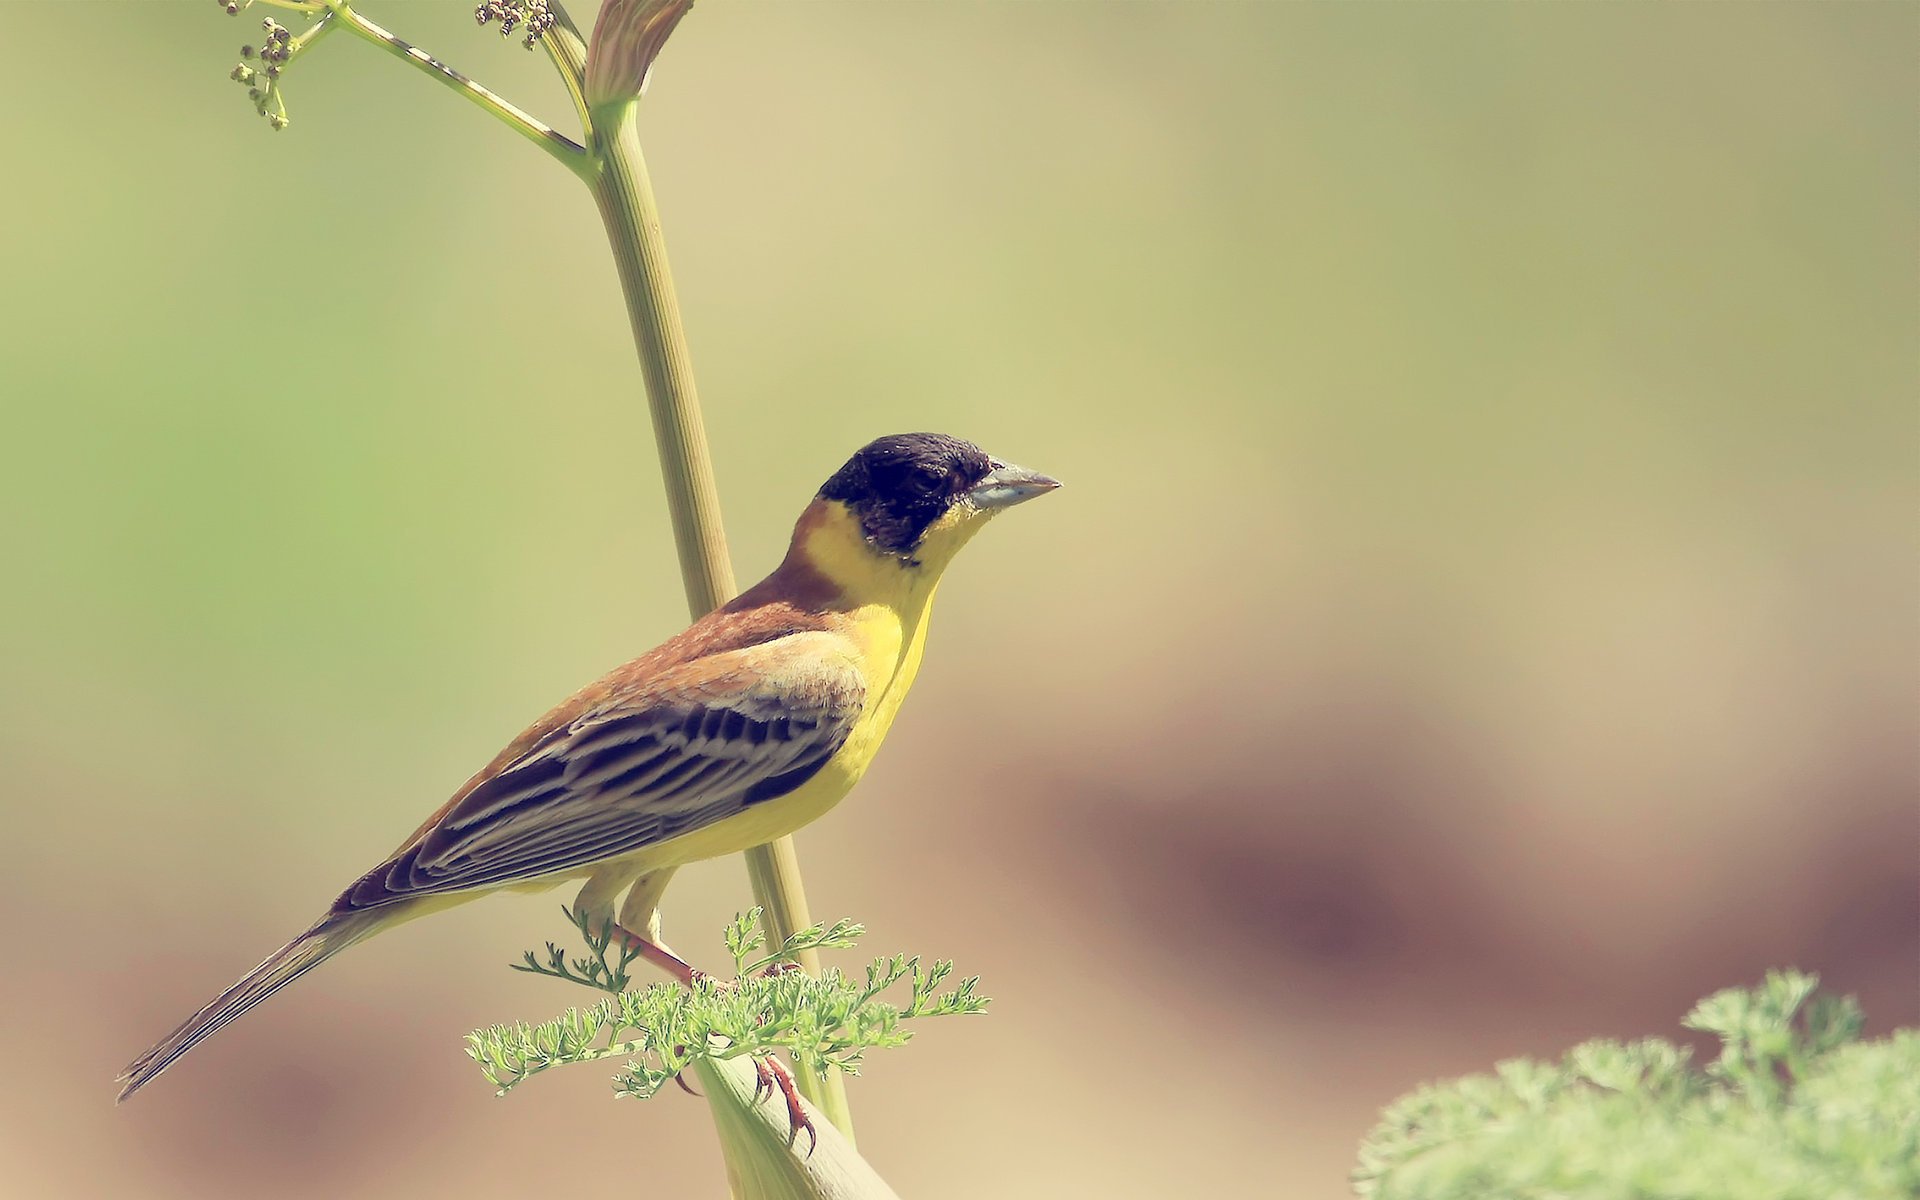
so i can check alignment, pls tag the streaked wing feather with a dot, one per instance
(636, 771)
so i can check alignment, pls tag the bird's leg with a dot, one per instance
(666, 960)
(658, 955)
(641, 912)
(769, 1075)
(638, 928)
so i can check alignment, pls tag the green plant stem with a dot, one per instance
(761, 1163)
(624, 195)
(560, 146)
(625, 198)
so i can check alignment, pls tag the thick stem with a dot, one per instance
(625, 198)
(753, 1136)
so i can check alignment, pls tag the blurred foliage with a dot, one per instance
(1794, 1108)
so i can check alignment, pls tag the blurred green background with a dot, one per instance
(1482, 613)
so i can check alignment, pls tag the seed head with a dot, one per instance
(535, 15)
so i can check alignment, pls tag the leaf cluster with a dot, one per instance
(1794, 1107)
(771, 1005)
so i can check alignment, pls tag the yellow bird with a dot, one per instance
(754, 721)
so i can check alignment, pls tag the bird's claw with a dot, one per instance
(768, 1075)
(696, 977)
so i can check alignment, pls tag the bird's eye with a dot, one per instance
(924, 481)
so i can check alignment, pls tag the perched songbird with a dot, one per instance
(750, 724)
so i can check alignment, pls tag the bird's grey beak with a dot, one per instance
(1007, 485)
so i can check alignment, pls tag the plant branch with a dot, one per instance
(318, 30)
(560, 146)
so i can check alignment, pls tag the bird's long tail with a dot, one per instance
(283, 966)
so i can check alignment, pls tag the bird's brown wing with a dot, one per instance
(698, 744)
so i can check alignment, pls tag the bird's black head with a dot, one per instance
(898, 486)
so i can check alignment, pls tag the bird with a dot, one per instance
(754, 721)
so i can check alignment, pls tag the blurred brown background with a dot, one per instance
(1482, 613)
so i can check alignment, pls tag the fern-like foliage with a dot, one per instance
(661, 1030)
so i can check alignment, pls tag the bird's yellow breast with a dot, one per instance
(885, 604)
(891, 644)
(882, 613)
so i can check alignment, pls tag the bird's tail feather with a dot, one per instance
(282, 967)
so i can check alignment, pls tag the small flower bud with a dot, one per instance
(246, 52)
(276, 120)
(253, 94)
(242, 74)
